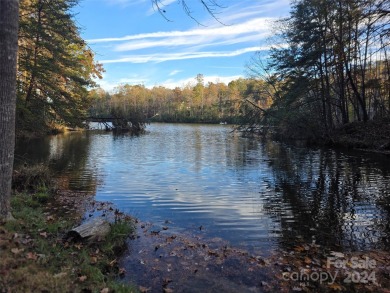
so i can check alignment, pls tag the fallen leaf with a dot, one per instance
(78, 246)
(144, 289)
(43, 234)
(212, 252)
(336, 286)
(299, 248)
(26, 241)
(307, 260)
(49, 218)
(94, 259)
(167, 290)
(17, 250)
(166, 281)
(32, 256)
(60, 275)
(82, 278)
(122, 271)
(105, 290)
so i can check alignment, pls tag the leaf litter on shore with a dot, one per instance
(163, 260)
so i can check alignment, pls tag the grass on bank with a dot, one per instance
(36, 258)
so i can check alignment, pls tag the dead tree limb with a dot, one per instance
(92, 230)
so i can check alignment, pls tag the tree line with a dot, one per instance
(331, 68)
(198, 102)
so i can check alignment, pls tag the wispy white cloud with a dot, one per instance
(125, 3)
(174, 72)
(167, 2)
(251, 26)
(252, 31)
(248, 25)
(221, 41)
(182, 56)
(239, 11)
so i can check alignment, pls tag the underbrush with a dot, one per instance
(32, 179)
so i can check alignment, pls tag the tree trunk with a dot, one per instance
(9, 18)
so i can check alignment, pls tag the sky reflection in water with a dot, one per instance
(257, 194)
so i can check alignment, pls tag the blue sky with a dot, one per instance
(138, 46)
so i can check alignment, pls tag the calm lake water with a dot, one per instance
(260, 195)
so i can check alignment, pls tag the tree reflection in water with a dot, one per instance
(67, 156)
(337, 200)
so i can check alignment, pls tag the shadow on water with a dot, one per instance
(67, 156)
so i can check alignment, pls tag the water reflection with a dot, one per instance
(67, 155)
(258, 194)
(330, 197)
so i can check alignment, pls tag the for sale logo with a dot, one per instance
(347, 270)
(355, 269)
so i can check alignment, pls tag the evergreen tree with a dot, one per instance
(55, 66)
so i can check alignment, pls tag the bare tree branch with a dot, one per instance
(211, 7)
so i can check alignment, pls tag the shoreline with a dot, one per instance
(167, 260)
(372, 136)
(162, 259)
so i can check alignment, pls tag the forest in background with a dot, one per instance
(330, 68)
(200, 103)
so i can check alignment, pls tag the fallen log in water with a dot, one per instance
(92, 230)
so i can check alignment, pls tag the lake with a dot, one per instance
(257, 194)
